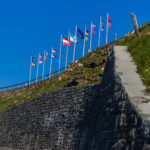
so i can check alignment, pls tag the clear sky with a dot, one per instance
(27, 27)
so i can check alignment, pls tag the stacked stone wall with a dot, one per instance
(97, 117)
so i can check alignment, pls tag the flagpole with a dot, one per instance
(67, 54)
(30, 71)
(60, 53)
(84, 42)
(91, 38)
(37, 69)
(50, 64)
(75, 44)
(43, 65)
(107, 30)
(99, 32)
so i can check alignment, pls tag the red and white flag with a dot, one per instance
(66, 41)
(53, 56)
(93, 27)
(53, 50)
(40, 56)
(40, 62)
(109, 19)
(109, 22)
(93, 33)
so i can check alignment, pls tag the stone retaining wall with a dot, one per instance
(98, 117)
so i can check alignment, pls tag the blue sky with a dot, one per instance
(27, 27)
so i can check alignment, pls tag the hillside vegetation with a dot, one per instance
(86, 71)
(140, 51)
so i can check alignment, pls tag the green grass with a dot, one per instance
(55, 83)
(140, 51)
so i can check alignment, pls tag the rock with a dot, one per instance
(89, 50)
(93, 64)
(79, 72)
(101, 75)
(74, 82)
(80, 65)
(80, 81)
(148, 33)
(70, 69)
(76, 61)
(103, 52)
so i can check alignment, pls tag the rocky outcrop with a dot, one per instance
(98, 117)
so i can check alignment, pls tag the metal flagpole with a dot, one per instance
(51, 64)
(60, 53)
(75, 43)
(30, 71)
(43, 65)
(67, 54)
(37, 69)
(84, 42)
(99, 32)
(91, 38)
(107, 29)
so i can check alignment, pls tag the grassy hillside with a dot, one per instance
(140, 51)
(87, 71)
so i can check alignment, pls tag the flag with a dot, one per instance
(93, 33)
(45, 59)
(80, 34)
(66, 42)
(40, 56)
(109, 22)
(33, 64)
(32, 59)
(46, 53)
(53, 56)
(101, 26)
(86, 38)
(73, 39)
(53, 50)
(86, 32)
(93, 27)
(40, 62)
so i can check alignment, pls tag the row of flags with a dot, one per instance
(80, 34)
(40, 61)
(71, 40)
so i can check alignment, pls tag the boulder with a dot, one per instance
(79, 72)
(74, 82)
(93, 64)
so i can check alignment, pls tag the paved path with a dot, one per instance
(126, 69)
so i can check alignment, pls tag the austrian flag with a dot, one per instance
(53, 56)
(66, 41)
(40, 56)
(109, 22)
(53, 50)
